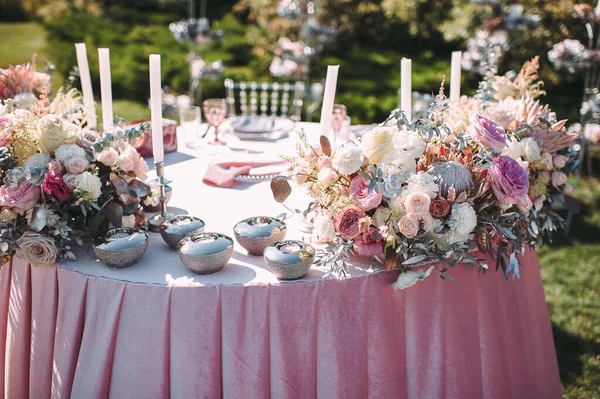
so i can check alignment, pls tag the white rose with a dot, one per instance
(514, 149)
(40, 161)
(347, 159)
(90, 186)
(378, 142)
(54, 132)
(531, 150)
(324, 228)
(108, 157)
(409, 144)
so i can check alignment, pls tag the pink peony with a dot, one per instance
(359, 192)
(417, 204)
(509, 180)
(558, 179)
(559, 161)
(347, 222)
(365, 245)
(76, 165)
(409, 226)
(439, 208)
(19, 199)
(55, 185)
(487, 132)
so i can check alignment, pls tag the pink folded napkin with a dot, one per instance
(223, 174)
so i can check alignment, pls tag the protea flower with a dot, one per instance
(551, 138)
(451, 176)
(16, 80)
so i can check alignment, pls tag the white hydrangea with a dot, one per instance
(40, 161)
(422, 182)
(463, 220)
(90, 186)
(24, 100)
(408, 144)
(69, 151)
(347, 158)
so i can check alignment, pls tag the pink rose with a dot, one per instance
(559, 161)
(417, 204)
(71, 180)
(487, 132)
(19, 199)
(547, 158)
(141, 169)
(56, 186)
(365, 245)
(127, 161)
(324, 162)
(558, 179)
(108, 157)
(409, 226)
(76, 165)
(439, 208)
(359, 192)
(327, 177)
(347, 222)
(508, 179)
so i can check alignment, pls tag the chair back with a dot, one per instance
(261, 98)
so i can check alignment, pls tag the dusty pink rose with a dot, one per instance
(141, 169)
(409, 226)
(558, 179)
(547, 158)
(76, 165)
(108, 157)
(55, 185)
(427, 222)
(508, 179)
(127, 160)
(71, 180)
(487, 132)
(365, 245)
(439, 208)
(327, 177)
(19, 199)
(359, 192)
(417, 204)
(324, 162)
(347, 222)
(559, 161)
(38, 249)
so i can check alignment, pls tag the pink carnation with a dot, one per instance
(487, 132)
(365, 245)
(359, 192)
(19, 199)
(347, 222)
(509, 180)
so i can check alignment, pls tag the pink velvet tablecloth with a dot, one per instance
(69, 334)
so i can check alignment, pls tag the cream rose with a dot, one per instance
(38, 249)
(378, 142)
(127, 160)
(54, 132)
(90, 186)
(141, 169)
(409, 226)
(108, 157)
(417, 204)
(76, 165)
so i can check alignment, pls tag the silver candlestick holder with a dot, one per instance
(155, 221)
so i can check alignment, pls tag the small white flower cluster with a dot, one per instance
(463, 220)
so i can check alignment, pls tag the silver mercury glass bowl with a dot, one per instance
(257, 233)
(290, 259)
(122, 247)
(178, 227)
(205, 253)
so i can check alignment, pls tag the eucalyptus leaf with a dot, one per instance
(281, 188)
(325, 145)
(114, 213)
(414, 259)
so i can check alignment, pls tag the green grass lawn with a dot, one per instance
(569, 267)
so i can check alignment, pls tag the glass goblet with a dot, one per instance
(338, 116)
(215, 112)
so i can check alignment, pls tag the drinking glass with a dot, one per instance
(189, 118)
(215, 112)
(338, 119)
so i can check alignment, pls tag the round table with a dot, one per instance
(157, 330)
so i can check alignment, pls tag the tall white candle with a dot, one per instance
(156, 109)
(597, 10)
(105, 88)
(455, 67)
(328, 99)
(86, 84)
(406, 87)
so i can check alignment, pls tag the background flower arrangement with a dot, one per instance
(484, 173)
(62, 183)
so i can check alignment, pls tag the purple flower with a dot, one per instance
(509, 181)
(487, 132)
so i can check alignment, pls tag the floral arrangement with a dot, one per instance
(23, 84)
(62, 183)
(478, 177)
